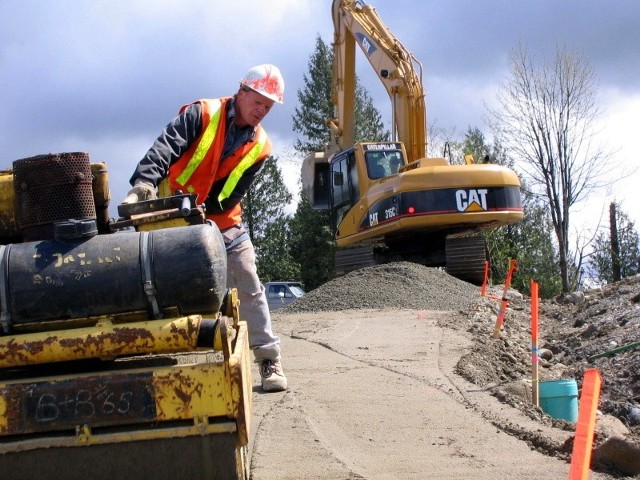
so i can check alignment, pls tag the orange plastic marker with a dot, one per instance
(535, 358)
(483, 291)
(505, 301)
(583, 442)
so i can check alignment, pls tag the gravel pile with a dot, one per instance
(393, 285)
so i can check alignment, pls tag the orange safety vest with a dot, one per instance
(199, 167)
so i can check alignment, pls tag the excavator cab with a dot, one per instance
(353, 170)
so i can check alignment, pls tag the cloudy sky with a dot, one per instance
(104, 76)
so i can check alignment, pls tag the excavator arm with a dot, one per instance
(398, 70)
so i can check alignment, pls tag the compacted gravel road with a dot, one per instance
(393, 374)
(373, 395)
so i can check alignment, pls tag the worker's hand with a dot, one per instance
(140, 192)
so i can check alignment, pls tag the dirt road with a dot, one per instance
(372, 395)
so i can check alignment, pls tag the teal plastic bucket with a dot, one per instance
(559, 399)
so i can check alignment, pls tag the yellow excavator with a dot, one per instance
(388, 201)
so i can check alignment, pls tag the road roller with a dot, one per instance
(122, 352)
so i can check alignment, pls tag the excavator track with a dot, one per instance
(463, 257)
(466, 258)
(354, 258)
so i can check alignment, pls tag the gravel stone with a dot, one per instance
(402, 285)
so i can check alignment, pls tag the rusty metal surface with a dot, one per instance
(240, 383)
(203, 395)
(116, 416)
(105, 340)
(9, 231)
(114, 399)
(195, 394)
(101, 195)
(50, 188)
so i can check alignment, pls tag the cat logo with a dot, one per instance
(367, 45)
(471, 200)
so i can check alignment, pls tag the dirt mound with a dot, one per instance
(573, 330)
(574, 333)
(600, 331)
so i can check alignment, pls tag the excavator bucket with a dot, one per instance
(315, 180)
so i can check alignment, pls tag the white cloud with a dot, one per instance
(104, 76)
(618, 127)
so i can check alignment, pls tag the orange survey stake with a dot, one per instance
(505, 301)
(583, 442)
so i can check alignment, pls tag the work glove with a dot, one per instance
(140, 192)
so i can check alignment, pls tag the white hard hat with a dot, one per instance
(266, 80)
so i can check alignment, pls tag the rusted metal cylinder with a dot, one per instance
(108, 340)
(101, 195)
(163, 273)
(9, 230)
(51, 188)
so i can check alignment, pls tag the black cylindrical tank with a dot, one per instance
(183, 269)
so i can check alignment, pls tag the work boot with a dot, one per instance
(273, 379)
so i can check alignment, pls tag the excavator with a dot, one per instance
(388, 201)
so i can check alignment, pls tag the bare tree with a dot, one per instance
(546, 119)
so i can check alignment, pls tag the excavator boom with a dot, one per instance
(397, 69)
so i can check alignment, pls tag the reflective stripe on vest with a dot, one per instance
(248, 160)
(205, 143)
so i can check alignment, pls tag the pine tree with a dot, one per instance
(267, 223)
(312, 244)
(310, 118)
(601, 260)
(315, 107)
(368, 121)
(275, 261)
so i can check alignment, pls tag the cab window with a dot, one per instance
(383, 164)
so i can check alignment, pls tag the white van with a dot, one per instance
(280, 294)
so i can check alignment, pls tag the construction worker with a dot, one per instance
(215, 148)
